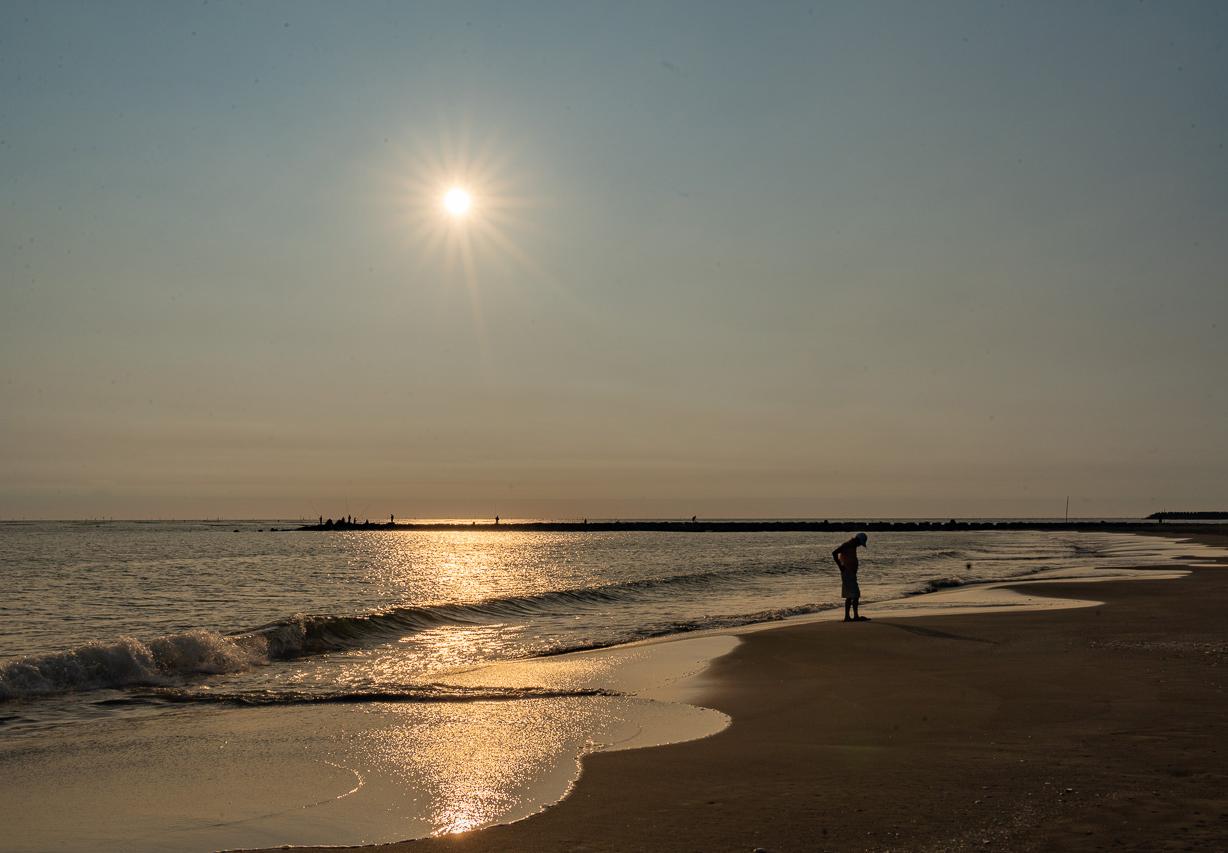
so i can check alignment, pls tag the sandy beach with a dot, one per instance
(1077, 729)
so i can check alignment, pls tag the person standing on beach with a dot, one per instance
(846, 559)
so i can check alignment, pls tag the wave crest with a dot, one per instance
(127, 661)
(935, 584)
(302, 635)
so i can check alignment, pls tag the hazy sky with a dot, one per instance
(924, 259)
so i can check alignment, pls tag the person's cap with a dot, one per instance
(861, 537)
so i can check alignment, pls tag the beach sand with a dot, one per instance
(1102, 727)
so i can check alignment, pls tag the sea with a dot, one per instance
(206, 685)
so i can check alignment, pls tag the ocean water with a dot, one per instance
(355, 669)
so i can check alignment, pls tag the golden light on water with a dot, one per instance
(478, 763)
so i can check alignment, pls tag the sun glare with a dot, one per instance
(457, 202)
(464, 210)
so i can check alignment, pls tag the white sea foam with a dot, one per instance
(128, 661)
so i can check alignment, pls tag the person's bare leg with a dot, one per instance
(848, 602)
(857, 617)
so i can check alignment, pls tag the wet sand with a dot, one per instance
(1080, 729)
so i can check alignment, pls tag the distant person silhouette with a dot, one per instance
(496, 519)
(846, 559)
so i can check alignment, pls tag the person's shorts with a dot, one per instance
(849, 588)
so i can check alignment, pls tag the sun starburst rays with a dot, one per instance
(460, 203)
(461, 214)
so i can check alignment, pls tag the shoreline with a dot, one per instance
(1046, 729)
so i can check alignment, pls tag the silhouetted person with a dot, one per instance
(496, 519)
(846, 559)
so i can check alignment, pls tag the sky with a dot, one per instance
(733, 260)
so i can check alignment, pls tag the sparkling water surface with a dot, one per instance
(196, 686)
(240, 608)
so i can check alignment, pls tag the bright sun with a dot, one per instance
(457, 202)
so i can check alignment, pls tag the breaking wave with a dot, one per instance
(127, 661)
(935, 584)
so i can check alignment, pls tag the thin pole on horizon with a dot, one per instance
(1068, 509)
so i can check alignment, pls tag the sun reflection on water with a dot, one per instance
(478, 762)
(451, 566)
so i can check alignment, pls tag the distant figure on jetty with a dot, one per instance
(846, 559)
(496, 519)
